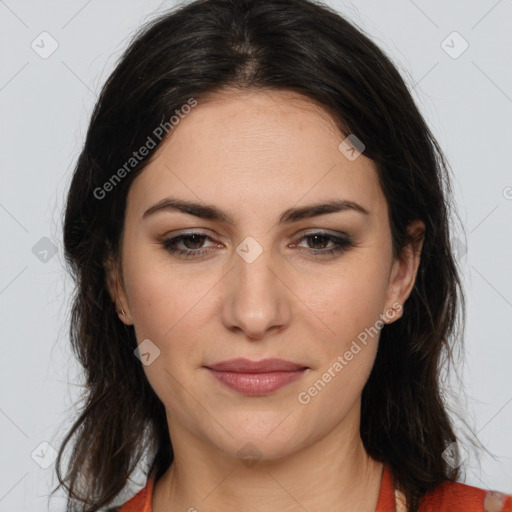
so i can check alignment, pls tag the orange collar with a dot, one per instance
(386, 502)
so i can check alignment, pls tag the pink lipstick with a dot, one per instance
(256, 377)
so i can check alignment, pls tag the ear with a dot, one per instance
(404, 271)
(115, 287)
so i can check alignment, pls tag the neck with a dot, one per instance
(335, 473)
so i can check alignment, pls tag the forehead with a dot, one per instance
(262, 126)
(262, 148)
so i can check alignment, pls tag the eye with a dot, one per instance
(341, 243)
(191, 245)
(191, 241)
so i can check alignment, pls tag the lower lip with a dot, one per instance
(256, 383)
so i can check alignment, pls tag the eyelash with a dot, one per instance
(343, 243)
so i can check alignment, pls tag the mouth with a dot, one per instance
(256, 378)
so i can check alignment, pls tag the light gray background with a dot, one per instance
(45, 107)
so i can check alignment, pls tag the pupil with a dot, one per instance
(197, 238)
(316, 238)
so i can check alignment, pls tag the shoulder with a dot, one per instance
(454, 496)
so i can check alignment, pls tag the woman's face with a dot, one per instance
(266, 275)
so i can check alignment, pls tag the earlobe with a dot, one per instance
(124, 317)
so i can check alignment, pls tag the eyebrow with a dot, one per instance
(210, 212)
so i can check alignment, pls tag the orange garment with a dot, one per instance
(447, 497)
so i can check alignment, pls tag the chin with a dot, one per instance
(262, 438)
(251, 450)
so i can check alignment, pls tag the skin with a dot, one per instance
(254, 155)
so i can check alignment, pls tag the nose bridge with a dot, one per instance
(254, 269)
(257, 299)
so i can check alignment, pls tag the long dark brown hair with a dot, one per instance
(303, 46)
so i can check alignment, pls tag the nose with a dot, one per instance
(256, 301)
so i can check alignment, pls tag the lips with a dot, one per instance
(256, 377)
(263, 366)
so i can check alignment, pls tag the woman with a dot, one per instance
(258, 225)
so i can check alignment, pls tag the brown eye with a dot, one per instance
(189, 245)
(317, 240)
(318, 244)
(193, 241)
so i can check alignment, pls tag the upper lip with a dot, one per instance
(242, 365)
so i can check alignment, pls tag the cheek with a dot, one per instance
(162, 298)
(350, 300)
(172, 310)
(353, 308)
(333, 393)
